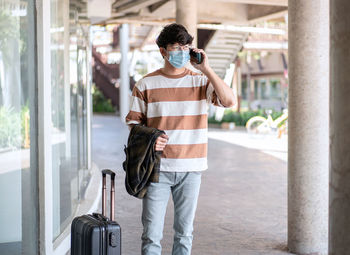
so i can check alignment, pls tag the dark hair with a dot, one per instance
(173, 33)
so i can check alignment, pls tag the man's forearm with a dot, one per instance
(223, 91)
(130, 126)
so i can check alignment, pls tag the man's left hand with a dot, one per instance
(204, 66)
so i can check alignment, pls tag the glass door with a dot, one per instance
(82, 117)
(18, 129)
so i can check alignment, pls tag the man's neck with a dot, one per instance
(170, 70)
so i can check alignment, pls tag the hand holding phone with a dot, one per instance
(197, 56)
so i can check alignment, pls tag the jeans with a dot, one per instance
(184, 187)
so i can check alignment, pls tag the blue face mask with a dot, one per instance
(178, 58)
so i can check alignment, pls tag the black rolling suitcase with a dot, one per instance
(96, 234)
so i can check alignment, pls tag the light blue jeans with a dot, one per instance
(184, 187)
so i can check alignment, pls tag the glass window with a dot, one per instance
(69, 115)
(244, 90)
(18, 165)
(79, 82)
(275, 89)
(64, 172)
(82, 115)
(264, 90)
(256, 89)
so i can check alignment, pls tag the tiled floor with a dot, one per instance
(242, 208)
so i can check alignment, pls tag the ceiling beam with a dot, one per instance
(135, 5)
(277, 15)
(78, 4)
(118, 3)
(122, 20)
(156, 6)
(120, 16)
(258, 11)
(225, 11)
(260, 2)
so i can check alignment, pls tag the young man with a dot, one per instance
(175, 99)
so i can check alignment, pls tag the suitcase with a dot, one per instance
(95, 234)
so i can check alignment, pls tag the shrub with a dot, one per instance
(241, 118)
(100, 102)
(10, 128)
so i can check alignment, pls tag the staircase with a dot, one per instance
(105, 77)
(222, 49)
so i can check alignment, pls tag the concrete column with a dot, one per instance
(186, 15)
(124, 88)
(239, 85)
(339, 211)
(308, 141)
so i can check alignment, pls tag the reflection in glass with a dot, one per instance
(79, 82)
(64, 171)
(18, 166)
(68, 112)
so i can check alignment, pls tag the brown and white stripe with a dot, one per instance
(178, 105)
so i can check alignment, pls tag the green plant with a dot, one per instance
(241, 118)
(100, 102)
(10, 131)
(9, 31)
(13, 126)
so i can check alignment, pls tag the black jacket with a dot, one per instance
(142, 161)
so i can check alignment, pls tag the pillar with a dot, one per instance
(124, 88)
(186, 15)
(339, 211)
(239, 85)
(308, 141)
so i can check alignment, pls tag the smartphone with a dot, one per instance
(197, 56)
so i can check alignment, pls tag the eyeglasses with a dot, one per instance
(178, 47)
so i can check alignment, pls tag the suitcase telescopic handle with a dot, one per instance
(104, 198)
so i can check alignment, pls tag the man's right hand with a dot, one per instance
(161, 142)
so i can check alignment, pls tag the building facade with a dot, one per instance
(45, 123)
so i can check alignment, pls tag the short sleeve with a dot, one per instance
(211, 95)
(138, 106)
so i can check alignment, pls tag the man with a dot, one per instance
(175, 99)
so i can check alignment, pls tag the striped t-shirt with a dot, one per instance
(178, 105)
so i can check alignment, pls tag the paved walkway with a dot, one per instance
(242, 208)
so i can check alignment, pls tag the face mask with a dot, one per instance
(178, 58)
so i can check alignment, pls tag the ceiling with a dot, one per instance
(160, 12)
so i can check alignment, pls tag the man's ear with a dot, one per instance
(162, 51)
